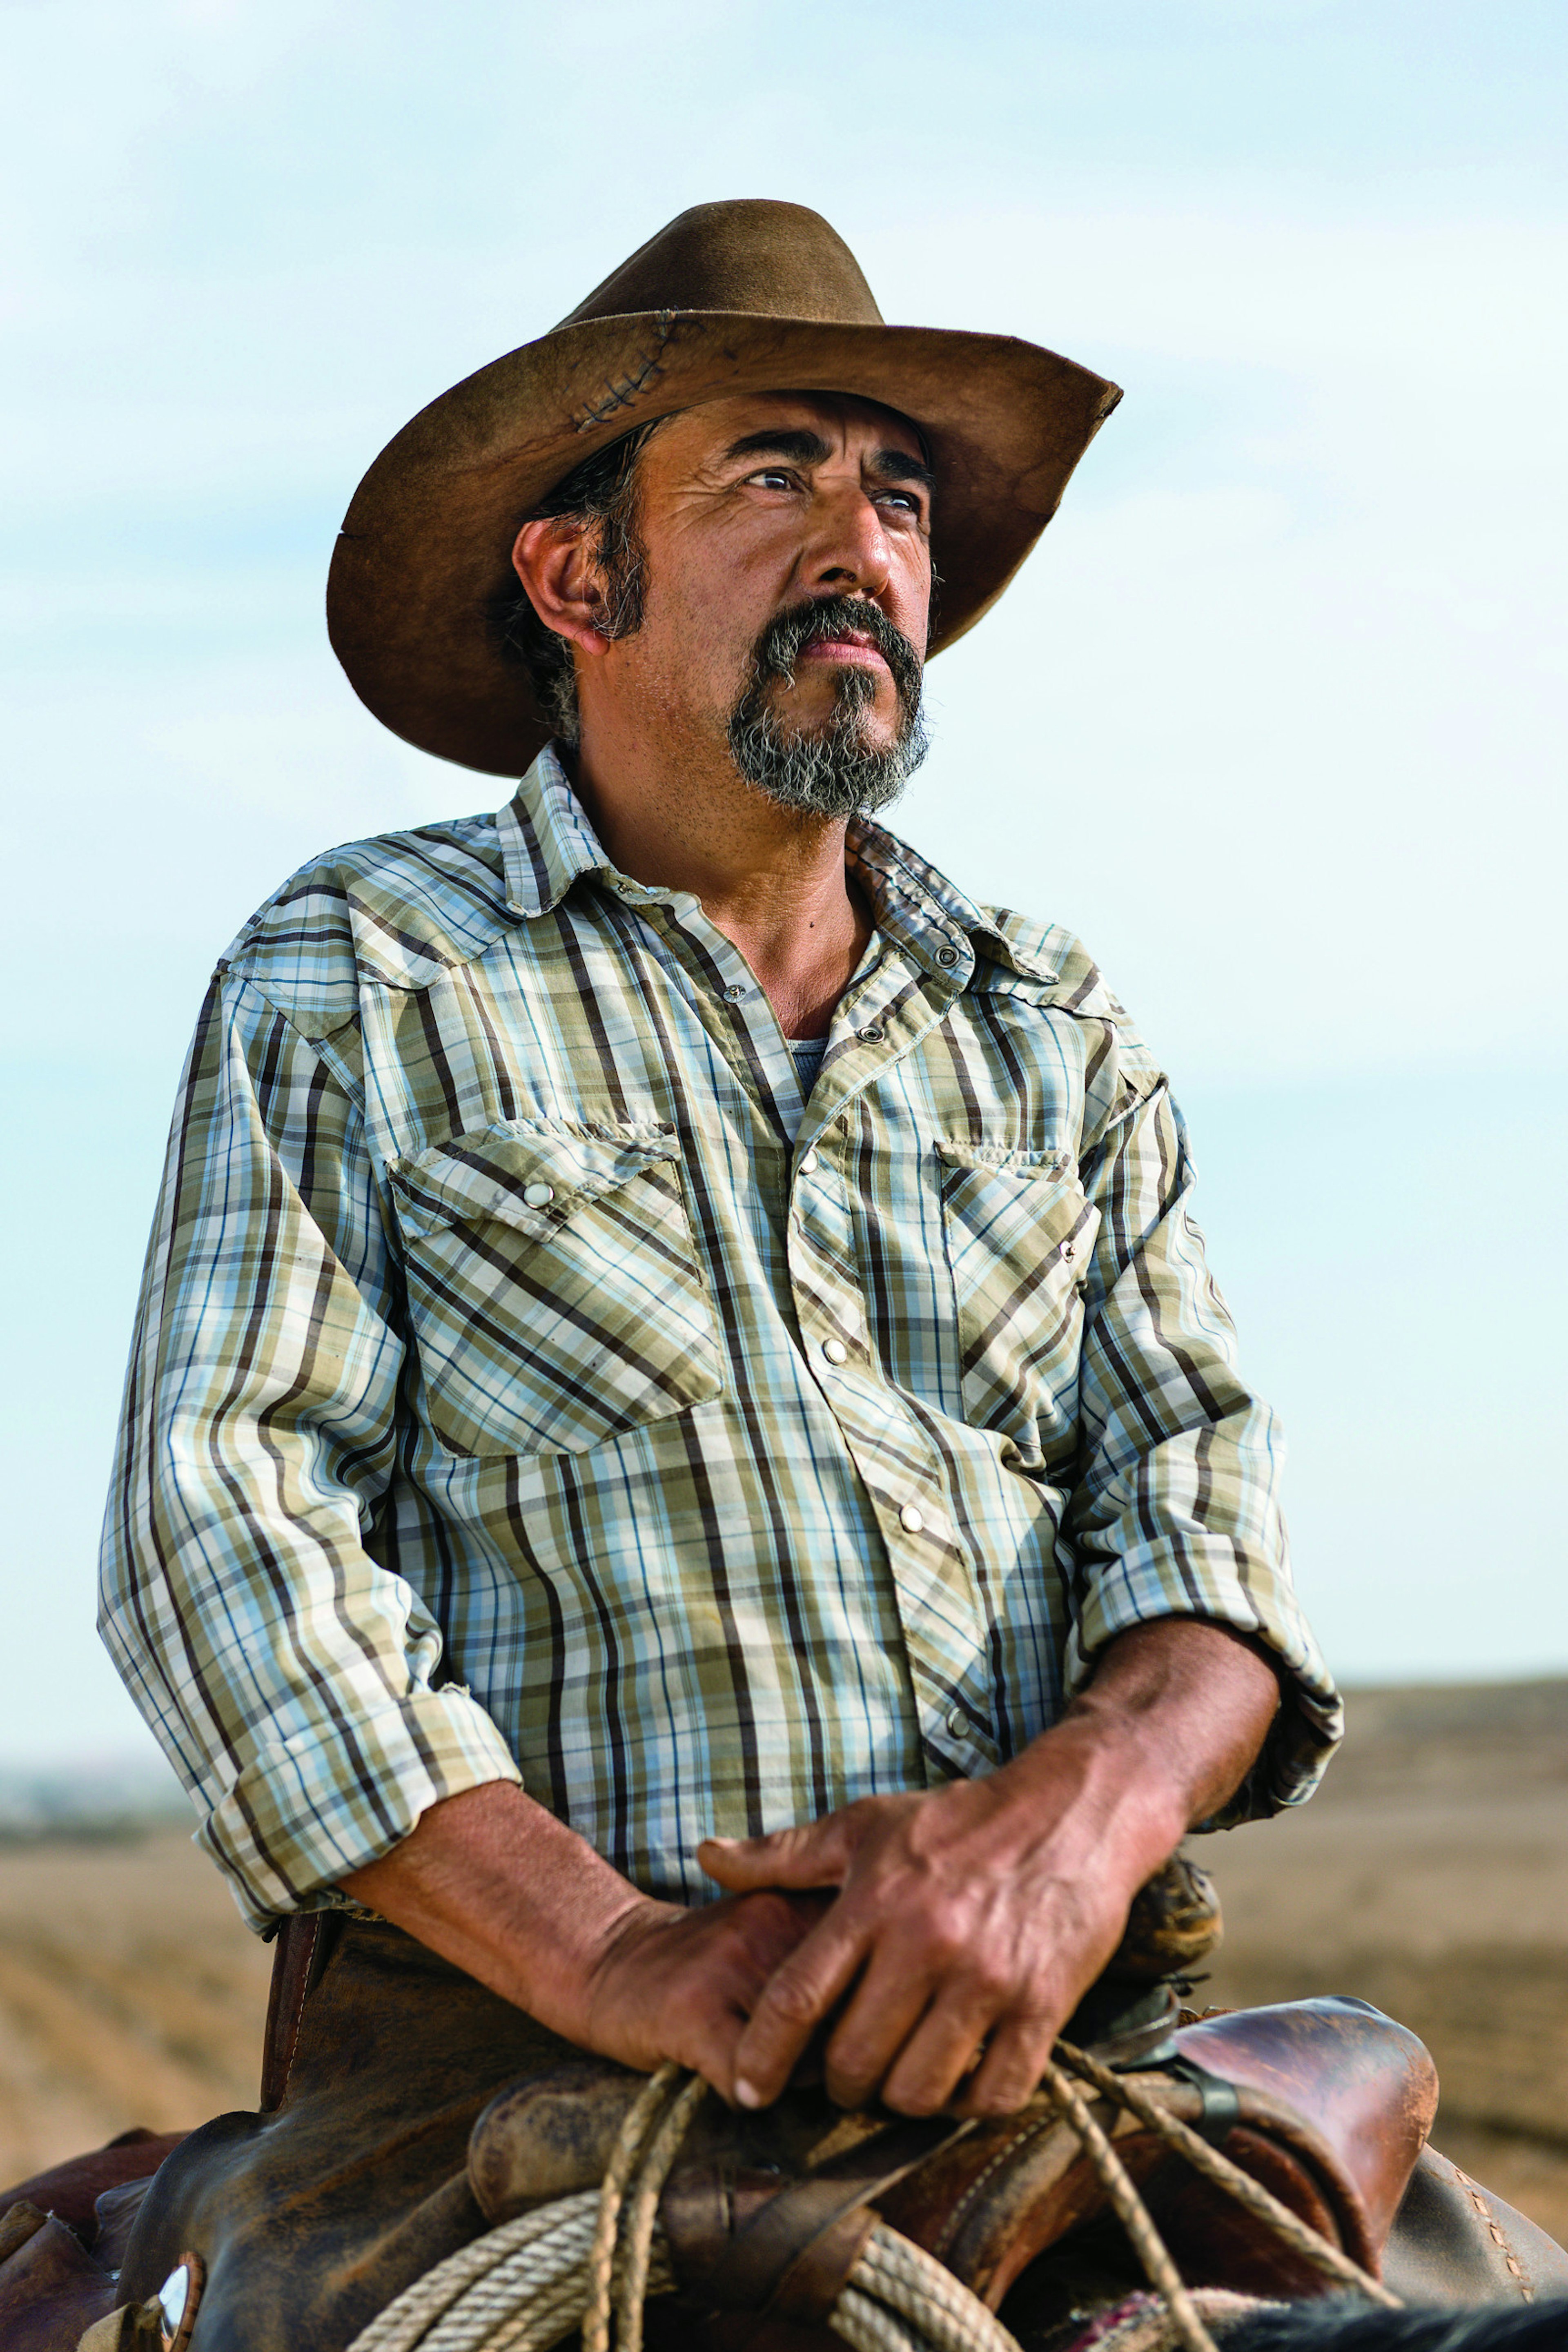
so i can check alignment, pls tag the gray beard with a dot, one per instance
(834, 771)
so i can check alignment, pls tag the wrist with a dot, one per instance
(1121, 1796)
(1187, 1704)
(619, 1941)
(505, 1891)
(560, 1971)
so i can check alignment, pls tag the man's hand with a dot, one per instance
(673, 1983)
(971, 1919)
(974, 1914)
(967, 1916)
(496, 1885)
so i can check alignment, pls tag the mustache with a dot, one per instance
(779, 646)
(831, 770)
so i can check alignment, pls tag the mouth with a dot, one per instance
(848, 645)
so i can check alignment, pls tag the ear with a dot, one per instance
(551, 558)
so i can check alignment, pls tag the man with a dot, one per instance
(675, 1358)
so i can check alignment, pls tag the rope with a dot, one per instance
(407, 2321)
(867, 2326)
(506, 2291)
(1260, 2202)
(515, 2308)
(1131, 2211)
(527, 2285)
(652, 2174)
(643, 2114)
(914, 2284)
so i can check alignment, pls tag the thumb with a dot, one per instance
(816, 1853)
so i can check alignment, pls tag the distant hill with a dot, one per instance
(111, 1799)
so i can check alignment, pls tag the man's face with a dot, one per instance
(787, 546)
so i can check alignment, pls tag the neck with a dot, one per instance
(771, 879)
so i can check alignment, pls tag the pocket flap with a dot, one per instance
(995, 1159)
(1014, 1212)
(491, 1173)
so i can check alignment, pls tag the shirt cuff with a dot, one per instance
(305, 1811)
(1207, 1583)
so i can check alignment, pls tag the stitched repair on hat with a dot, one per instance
(622, 394)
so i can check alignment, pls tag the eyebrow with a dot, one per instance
(804, 448)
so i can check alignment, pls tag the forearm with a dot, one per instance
(1176, 1713)
(505, 1891)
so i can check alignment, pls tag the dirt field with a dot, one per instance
(1430, 1876)
(130, 1993)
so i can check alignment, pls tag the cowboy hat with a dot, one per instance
(742, 297)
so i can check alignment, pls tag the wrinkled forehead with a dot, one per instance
(731, 416)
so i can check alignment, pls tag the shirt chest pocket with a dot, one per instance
(1020, 1235)
(554, 1291)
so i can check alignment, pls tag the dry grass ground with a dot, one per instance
(130, 1993)
(1430, 1876)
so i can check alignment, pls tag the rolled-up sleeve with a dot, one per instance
(1175, 1512)
(294, 1682)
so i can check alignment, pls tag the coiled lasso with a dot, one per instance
(584, 2260)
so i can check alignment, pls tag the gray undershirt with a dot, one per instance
(808, 1053)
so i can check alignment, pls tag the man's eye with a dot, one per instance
(774, 477)
(905, 498)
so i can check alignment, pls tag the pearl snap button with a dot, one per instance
(869, 1036)
(911, 1520)
(536, 1195)
(957, 1722)
(734, 993)
(809, 1163)
(835, 1351)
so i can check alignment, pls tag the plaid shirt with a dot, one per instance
(528, 1384)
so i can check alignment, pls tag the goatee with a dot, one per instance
(838, 768)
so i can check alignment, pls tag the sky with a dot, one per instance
(1273, 718)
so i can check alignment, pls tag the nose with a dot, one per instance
(849, 548)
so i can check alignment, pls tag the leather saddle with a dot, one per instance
(1327, 2103)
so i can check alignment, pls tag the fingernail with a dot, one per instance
(747, 2094)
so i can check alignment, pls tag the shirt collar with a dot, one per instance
(548, 843)
(929, 916)
(546, 840)
(916, 906)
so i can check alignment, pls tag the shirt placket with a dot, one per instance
(882, 1017)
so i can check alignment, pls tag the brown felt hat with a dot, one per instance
(741, 297)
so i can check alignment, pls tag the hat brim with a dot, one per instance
(425, 547)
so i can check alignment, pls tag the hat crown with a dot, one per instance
(771, 260)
